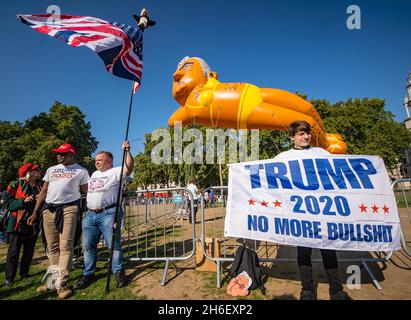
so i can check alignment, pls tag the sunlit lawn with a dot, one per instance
(26, 288)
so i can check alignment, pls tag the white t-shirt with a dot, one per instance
(64, 183)
(311, 151)
(193, 188)
(103, 188)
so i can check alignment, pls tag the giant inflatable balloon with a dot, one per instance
(206, 101)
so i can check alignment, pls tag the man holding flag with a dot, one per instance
(101, 203)
(118, 45)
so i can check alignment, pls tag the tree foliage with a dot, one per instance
(365, 125)
(150, 175)
(33, 140)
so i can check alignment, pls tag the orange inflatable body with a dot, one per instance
(206, 101)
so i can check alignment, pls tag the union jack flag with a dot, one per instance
(118, 45)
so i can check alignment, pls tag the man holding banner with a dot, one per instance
(300, 135)
(308, 198)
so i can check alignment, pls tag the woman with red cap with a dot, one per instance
(20, 198)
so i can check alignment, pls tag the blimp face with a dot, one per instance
(188, 75)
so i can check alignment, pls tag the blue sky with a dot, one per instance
(293, 45)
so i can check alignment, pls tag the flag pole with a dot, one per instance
(143, 23)
(120, 187)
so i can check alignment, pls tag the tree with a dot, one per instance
(366, 127)
(364, 124)
(147, 173)
(273, 142)
(33, 140)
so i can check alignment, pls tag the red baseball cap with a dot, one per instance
(26, 168)
(65, 148)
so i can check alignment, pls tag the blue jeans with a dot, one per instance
(95, 225)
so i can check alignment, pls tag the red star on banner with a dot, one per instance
(277, 203)
(251, 202)
(374, 209)
(386, 209)
(363, 208)
(264, 204)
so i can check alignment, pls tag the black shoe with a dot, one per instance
(340, 295)
(85, 281)
(24, 276)
(8, 283)
(308, 295)
(121, 279)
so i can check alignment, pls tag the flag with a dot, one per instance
(136, 85)
(118, 45)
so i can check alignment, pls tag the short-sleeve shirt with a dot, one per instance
(103, 188)
(193, 188)
(64, 183)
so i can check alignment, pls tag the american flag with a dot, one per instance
(118, 45)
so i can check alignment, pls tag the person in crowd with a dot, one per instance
(212, 198)
(4, 239)
(194, 190)
(59, 202)
(300, 135)
(20, 198)
(206, 199)
(102, 199)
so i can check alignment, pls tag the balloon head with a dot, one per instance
(190, 73)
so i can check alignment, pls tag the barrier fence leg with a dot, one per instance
(163, 282)
(218, 274)
(371, 274)
(405, 246)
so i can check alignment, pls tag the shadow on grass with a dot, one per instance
(285, 267)
(284, 297)
(26, 289)
(22, 289)
(178, 272)
(214, 219)
(401, 260)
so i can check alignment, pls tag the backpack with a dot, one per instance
(247, 260)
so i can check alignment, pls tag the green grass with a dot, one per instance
(26, 289)
(256, 295)
(210, 280)
(401, 201)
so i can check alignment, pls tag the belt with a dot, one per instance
(100, 210)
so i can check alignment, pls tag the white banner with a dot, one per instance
(341, 202)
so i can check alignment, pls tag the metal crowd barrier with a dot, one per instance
(212, 226)
(156, 226)
(402, 190)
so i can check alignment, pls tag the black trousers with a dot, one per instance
(330, 265)
(16, 242)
